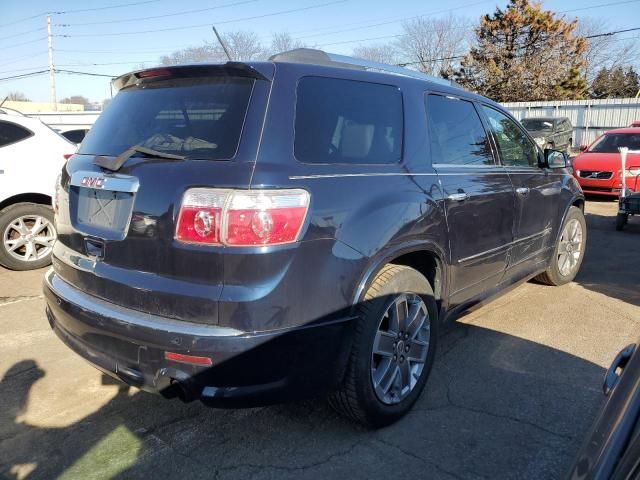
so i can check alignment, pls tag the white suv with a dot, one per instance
(31, 156)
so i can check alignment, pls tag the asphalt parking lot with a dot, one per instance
(515, 387)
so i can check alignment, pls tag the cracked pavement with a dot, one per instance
(515, 386)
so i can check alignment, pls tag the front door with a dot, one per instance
(478, 196)
(537, 192)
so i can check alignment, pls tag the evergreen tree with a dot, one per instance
(525, 53)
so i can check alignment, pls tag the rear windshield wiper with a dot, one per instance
(114, 164)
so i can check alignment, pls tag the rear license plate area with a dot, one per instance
(105, 211)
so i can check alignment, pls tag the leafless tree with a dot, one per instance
(383, 53)
(17, 97)
(282, 42)
(241, 45)
(605, 52)
(432, 45)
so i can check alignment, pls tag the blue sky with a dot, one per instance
(112, 35)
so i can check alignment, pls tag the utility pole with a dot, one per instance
(52, 77)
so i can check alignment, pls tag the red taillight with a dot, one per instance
(200, 216)
(190, 359)
(242, 218)
(67, 156)
(156, 72)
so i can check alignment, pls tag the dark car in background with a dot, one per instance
(550, 132)
(247, 233)
(611, 449)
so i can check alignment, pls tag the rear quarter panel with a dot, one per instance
(363, 214)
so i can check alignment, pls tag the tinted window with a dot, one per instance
(12, 133)
(344, 121)
(610, 142)
(74, 136)
(200, 118)
(534, 124)
(515, 148)
(456, 133)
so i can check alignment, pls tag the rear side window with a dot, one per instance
(346, 121)
(198, 119)
(74, 136)
(12, 133)
(456, 133)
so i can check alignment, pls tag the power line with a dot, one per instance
(23, 33)
(598, 6)
(24, 75)
(608, 34)
(108, 7)
(186, 27)
(395, 21)
(174, 14)
(90, 74)
(24, 43)
(64, 12)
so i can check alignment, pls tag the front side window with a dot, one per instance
(456, 134)
(194, 118)
(346, 121)
(12, 133)
(516, 150)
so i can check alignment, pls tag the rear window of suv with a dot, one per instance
(347, 121)
(198, 119)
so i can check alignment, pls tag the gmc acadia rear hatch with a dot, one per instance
(192, 127)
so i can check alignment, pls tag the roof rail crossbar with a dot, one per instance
(320, 57)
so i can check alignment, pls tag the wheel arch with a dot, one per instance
(38, 198)
(424, 256)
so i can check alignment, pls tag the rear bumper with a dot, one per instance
(249, 368)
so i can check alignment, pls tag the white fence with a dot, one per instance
(590, 118)
(67, 119)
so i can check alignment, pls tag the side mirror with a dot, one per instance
(555, 159)
(583, 148)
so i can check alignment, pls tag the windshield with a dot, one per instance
(196, 119)
(610, 142)
(537, 125)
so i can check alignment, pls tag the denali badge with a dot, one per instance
(92, 182)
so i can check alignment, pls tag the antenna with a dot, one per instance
(224, 47)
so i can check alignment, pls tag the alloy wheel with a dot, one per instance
(570, 247)
(400, 348)
(29, 238)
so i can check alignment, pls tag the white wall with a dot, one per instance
(590, 118)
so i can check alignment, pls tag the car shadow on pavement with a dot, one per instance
(496, 406)
(611, 262)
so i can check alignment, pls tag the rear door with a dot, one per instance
(479, 198)
(13, 159)
(537, 191)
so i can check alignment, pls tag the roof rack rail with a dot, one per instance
(320, 57)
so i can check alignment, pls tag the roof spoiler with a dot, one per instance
(229, 69)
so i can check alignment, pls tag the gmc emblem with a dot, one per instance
(92, 182)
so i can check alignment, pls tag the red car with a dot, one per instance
(598, 168)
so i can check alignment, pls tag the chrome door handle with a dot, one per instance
(458, 197)
(522, 191)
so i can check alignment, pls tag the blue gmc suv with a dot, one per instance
(250, 233)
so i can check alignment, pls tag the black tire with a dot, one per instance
(7, 217)
(621, 221)
(356, 398)
(552, 275)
